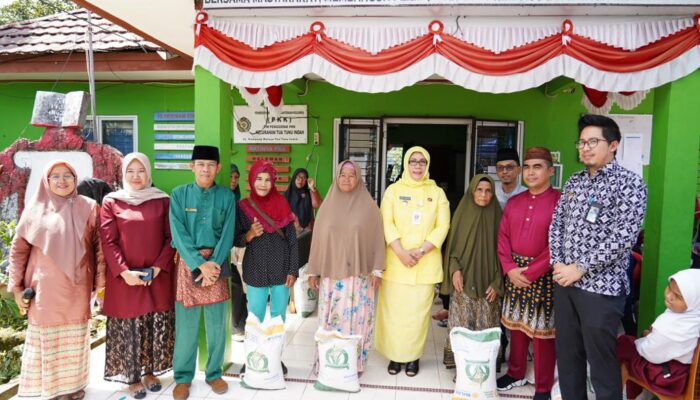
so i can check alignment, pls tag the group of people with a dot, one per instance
(547, 266)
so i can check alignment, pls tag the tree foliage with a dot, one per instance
(20, 10)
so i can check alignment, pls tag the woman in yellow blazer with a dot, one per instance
(416, 217)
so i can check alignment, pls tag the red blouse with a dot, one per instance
(137, 237)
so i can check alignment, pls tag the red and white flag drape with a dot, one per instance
(609, 56)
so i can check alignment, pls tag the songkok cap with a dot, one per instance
(201, 152)
(539, 153)
(507, 154)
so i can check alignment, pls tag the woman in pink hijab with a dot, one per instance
(56, 253)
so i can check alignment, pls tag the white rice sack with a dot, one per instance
(263, 353)
(475, 355)
(305, 298)
(337, 361)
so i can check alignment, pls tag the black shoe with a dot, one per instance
(542, 396)
(506, 382)
(284, 370)
(139, 394)
(393, 368)
(242, 371)
(412, 368)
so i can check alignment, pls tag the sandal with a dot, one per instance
(79, 395)
(412, 368)
(394, 368)
(152, 383)
(137, 391)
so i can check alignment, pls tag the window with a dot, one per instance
(120, 132)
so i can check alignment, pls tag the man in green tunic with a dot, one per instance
(202, 224)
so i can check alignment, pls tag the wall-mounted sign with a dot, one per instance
(232, 4)
(174, 136)
(173, 156)
(174, 116)
(258, 125)
(173, 146)
(168, 165)
(278, 168)
(173, 127)
(282, 148)
(272, 159)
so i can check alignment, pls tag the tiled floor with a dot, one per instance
(433, 382)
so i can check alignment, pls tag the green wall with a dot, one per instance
(549, 121)
(141, 99)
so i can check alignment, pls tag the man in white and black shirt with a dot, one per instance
(595, 225)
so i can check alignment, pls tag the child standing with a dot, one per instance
(662, 357)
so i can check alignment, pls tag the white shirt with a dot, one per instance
(503, 197)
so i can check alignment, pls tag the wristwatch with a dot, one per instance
(422, 252)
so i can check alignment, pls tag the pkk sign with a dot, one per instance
(255, 124)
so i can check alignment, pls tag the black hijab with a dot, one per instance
(94, 188)
(237, 190)
(300, 199)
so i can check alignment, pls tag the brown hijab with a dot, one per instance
(348, 237)
(472, 244)
(57, 224)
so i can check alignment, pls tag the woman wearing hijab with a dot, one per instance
(662, 357)
(265, 227)
(473, 276)
(303, 198)
(348, 254)
(416, 217)
(239, 306)
(135, 235)
(56, 252)
(234, 182)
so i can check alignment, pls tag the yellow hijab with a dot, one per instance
(406, 177)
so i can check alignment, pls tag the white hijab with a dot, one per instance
(675, 335)
(136, 197)
(685, 326)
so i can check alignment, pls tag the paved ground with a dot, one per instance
(433, 382)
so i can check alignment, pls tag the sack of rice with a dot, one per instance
(475, 356)
(337, 361)
(305, 298)
(263, 353)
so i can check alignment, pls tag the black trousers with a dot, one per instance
(239, 302)
(587, 325)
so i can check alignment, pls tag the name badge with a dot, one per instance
(416, 218)
(593, 213)
(190, 210)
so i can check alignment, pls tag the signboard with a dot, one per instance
(278, 168)
(173, 127)
(272, 159)
(167, 165)
(255, 124)
(173, 156)
(230, 4)
(174, 116)
(173, 146)
(282, 148)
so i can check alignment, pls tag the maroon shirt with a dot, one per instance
(524, 230)
(137, 237)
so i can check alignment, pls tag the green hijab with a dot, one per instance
(472, 244)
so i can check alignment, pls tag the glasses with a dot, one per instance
(415, 163)
(507, 168)
(590, 143)
(56, 178)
